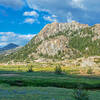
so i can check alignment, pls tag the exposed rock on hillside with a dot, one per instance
(56, 46)
(52, 46)
(55, 28)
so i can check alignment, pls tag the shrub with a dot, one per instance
(30, 68)
(90, 71)
(80, 94)
(58, 69)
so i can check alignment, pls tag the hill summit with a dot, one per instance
(8, 47)
(60, 41)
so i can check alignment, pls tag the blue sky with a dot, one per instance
(20, 20)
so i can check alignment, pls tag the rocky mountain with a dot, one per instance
(61, 41)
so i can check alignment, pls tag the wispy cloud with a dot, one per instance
(29, 20)
(78, 8)
(32, 16)
(31, 13)
(11, 37)
(16, 4)
(50, 18)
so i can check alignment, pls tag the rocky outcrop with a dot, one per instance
(57, 46)
(54, 28)
(52, 46)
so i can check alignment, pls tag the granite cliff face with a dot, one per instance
(57, 46)
(54, 28)
(52, 46)
(62, 41)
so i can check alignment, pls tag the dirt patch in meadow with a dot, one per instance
(9, 75)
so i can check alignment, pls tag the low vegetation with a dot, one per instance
(85, 45)
(30, 68)
(80, 94)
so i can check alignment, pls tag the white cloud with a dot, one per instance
(78, 4)
(53, 7)
(29, 36)
(29, 20)
(11, 37)
(33, 17)
(50, 18)
(7, 33)
(32, 13)
(13, 3)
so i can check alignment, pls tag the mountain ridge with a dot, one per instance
(8, 47)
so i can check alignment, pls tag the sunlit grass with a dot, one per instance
(40, 67)
(48, 67)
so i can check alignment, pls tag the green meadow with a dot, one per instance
(42, 83)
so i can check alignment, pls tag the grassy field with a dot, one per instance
(43, 84)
